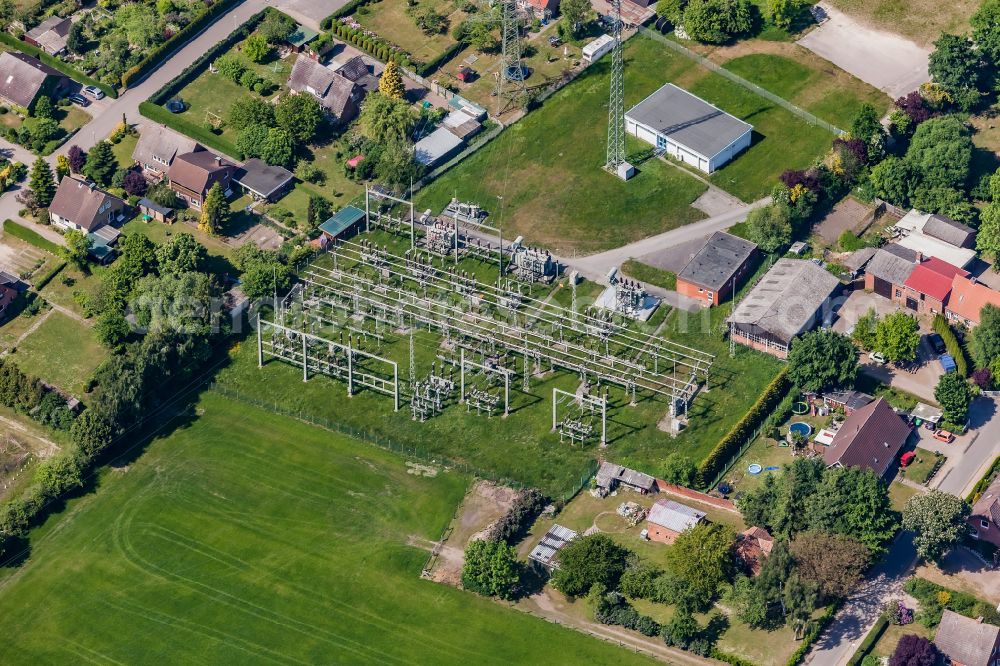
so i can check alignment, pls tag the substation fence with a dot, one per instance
(740, 81)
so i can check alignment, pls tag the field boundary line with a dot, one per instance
(740, 81)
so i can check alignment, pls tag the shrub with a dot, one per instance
(951, 343)
(513, 524)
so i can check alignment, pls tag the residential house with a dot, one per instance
(791, 298)
(339, 96)
(937, 236)
(83, 206)
(849, 401)
(715, 270)
(926, 289)
(667, 519)
(157, 148)
(985, 517)
(263, 181)
(967, 299)
(8, 295)
(542, 9)
(753, 546)
(964, 641)
(192, 175)
(545, 552)
(23, 79)
(50, 35)
(870, 437)
(610, 476)
(358, 71)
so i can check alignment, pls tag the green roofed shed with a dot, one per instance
(344, 219)
(301, 36)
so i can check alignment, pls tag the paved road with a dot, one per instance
(859, 613)
(970, 465)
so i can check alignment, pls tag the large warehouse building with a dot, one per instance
(688, 128)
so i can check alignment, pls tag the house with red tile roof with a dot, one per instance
(870, 437)
(752, 546)
(967, 299)
(926, 289)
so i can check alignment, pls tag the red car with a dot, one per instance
(907, 458)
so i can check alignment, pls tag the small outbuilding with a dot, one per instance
(716, 269)
(150, 210)
(849, 401)
(753, 546)
(667, 519)
(610, 476)
(688, 128)
(554, 540)
(593, 51)
(299, 37)
(263, 181)
(344, 221)
(436, 147)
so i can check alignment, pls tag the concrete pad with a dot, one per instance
(882, 59)
(716, 202)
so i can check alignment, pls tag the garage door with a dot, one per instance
(883, 288)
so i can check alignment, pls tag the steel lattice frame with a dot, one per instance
(616, 103)
(510, 90)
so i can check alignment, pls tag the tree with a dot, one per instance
(913, 650)
(256, 48)
(390, 83)
(682, 629)
(278, 147)
(382, 118)
(163, 195)
(101, 163)
(575, 14)
(679, 469)
(832, 563)
(181, 254)
(179, 302)
(482, 37)
(41, 183)
(134, 183)
(938, 518)
(954, 395)
(867, 126)
(430, 21)
(231, 66)
(76, 249)
(893, 179)
(782, 12)
(986, 336)
(770, 226)
(77, 158)
(852, 502)
(76, 40)
(988, 238)
(299, 115)
(717, 21)
(43, 107)
(941, 153)
(111, 329)
(276, 27)
(318, 211)
(956, 65)
(702, 559)
(588, 560)
(491, 569)
(251, 139)
(248, 110)
(396, 166)
(821, 360)
(864, 330)
(672, 10)
(747, 602)
(214, 212)
(986, 28)
(897, 337)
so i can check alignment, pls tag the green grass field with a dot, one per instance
(243, 537)
(394, 21)
(62, 351)
(554, 191)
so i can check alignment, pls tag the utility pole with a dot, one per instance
(511, 75)
(616, 163)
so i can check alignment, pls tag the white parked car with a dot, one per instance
(876, 357)
(94, 92)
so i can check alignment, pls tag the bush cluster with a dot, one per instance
(614, 610)
(951, 343)
(513, 524)
(376, 46)
(934, 599)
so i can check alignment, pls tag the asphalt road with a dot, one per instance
(971, 464)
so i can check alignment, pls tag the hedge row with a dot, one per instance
(869, 642)
(814, 631)
(56, 63)
(159, 114)
(374, 46)
(740, 432)
(47, 277)
(29, 236)
(951, 343)
(730, 658)
(192, 71)
(442, 58)
(159, 54)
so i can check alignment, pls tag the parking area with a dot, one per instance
(19, 258)
(857, 304)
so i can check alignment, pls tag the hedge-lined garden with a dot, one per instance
(56, 63)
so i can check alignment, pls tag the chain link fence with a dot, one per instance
(740, 81)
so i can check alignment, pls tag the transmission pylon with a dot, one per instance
(510, 78)
(616, 163)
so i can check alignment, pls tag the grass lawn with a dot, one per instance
(71, 280)
(243, 537)
(393, 20)
(649, 274)
(923, 21)
(554, 191)
(920, 469)
(899, 494)
(14, 327)
(159, 233)
(886, 645)
(62, 351)
(123, 150)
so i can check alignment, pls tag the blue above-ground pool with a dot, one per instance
(755, 468)
(800, 428)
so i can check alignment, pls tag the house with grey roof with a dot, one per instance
(688, 128)
(50, 35)
(793, 297)
(82, 206)
(546, 551)
(263, 181)
(964, 641)
(358, 71)
(157, 147)
(338, 95)
(948, 230)
(714, 271)
(667, 519)
(24, 79)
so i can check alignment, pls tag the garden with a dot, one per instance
(47, 126)
(421, 28)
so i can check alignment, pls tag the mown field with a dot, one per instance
(243, 537)
(547, 167)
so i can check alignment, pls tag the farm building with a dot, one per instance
(436, 147)
(967, 299)
(342, 222)
(263, 181)
(927, 288)
(667, 519)
(712, 273)
(552, 542)
(789, 300)
(610, 476)
(688, 128)
(985, 517)
(937, 236)
(964, 641)
(870, 437)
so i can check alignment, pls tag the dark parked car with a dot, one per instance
(937, 344)
(79, 100)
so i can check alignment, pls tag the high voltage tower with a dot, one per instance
(616, 163)
(510, 79)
